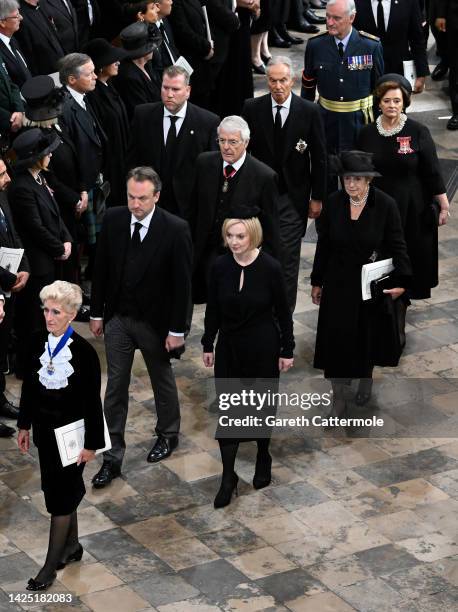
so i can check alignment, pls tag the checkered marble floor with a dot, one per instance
(347, 523)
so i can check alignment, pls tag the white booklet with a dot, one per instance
(374, 271)
(183, 63)
(410, 72)
(70, 441)
(10, 259)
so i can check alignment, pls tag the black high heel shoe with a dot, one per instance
(36, 585)
(224, 495)
(263, 472)
(75, 556)
(261, 69)
(266, 58)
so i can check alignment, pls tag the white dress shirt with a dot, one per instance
(7, 41)
(344, 41)
(79, 97)
(284, 111)
(236, 165)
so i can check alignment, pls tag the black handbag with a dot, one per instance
(387, 337)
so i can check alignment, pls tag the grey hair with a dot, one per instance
(350, 5)
(281, 60)
(70, 65)
(234, 123)
(7, 7)
(145, 173)
(69, 295)
(174, 71)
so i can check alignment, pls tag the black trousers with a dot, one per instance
(124, 334)
(291, 232)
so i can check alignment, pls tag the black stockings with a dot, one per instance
(63, 540)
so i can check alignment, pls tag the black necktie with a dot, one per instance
(380, 19)
(136, 242)
(341, 49)
(171, 135)
(278, 131)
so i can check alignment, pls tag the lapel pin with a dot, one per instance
(191, 132)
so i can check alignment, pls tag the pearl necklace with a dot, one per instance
(360, 202)
(391, 131)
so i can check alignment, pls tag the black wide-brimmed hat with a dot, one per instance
(395, 78)
(137, 41)
(43, 100)
(32, 145)
(102, 53)
(353, 163)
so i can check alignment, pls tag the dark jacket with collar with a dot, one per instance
(161, 57)
(197, 134)
(135, 87)
(88, 139)
(404, 38)
(162, 282)
(38, 39)
(10, 101)
(304, 171)
(10, 239)
(18, 72)
(38, 222)
(65, 22)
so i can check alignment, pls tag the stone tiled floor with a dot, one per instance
(366, 524)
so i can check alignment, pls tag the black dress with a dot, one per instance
(250, 341)
(343, 342)
(412, 179)
(45, 409)
(135, 87)
(112, 115)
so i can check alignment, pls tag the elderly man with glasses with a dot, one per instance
(225, 181)
(10, 52)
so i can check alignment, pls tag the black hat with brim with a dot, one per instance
(102, 53)
(353, 163)
(137, 40)
(32, 145)
(43, 100)
(395, 78)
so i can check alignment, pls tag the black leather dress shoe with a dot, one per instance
(304, 26)
(453, 122)
(275, 40)
(439, 72)
(105, 475)
(312, 17)
(5, 431)
(283, 32)
(163, 448)
(9, 410)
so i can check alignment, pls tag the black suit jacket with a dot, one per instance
(162, 283)
(256, 187)
(38, 222)
(197, 134)
(304, 173)
(10, 101)
(88, 139)
(404, 38)
(65, 22)
(19, 73)
(11, 240)
(161, 57)
(85, 28)
(38, 39)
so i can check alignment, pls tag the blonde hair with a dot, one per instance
(69, 295)
(252, 226)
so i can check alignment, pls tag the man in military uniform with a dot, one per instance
(344, 65)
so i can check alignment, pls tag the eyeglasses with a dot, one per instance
(230, 141)
(18, 16)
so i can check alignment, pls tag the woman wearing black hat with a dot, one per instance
(111, 113)
(246, 298)
(38, 221)
(136, 81)
(405, 155)
(358, 225)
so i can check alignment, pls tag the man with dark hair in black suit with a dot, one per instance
(10, 52)
(141, 289)
(287, 134)
(399, 27)
(10, 284)
(225, 180)
(180, 131)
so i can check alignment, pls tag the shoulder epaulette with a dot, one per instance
(367, 35)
